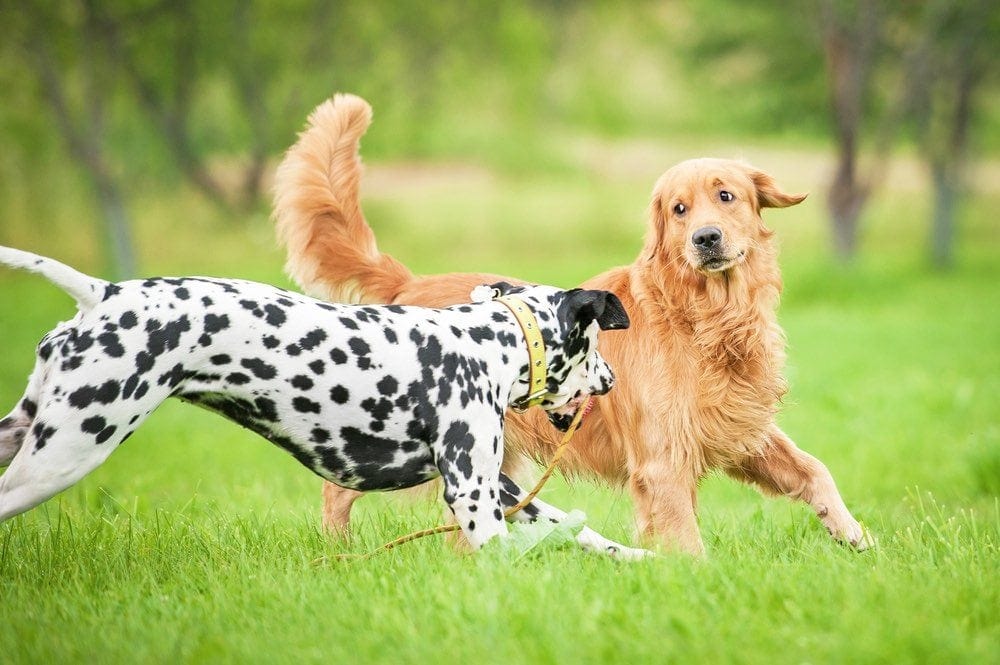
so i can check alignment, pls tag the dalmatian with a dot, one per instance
(368, 397)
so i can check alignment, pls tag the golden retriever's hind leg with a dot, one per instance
(665, 508)
(337, 502)
(784, 469)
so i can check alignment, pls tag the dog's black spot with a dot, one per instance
(319, 435)
(97, 425)
(317, 366)
(312, 339)
(106, 393)
(173, 377)
(71, 363)
(216, 323)
(129, 386)
(29, 407)
(128, 320)
(266, 409)
(221, 359)
(379, 409)
(80, 341)
(167, 337)
(293, 349)
(111, 344)
(271, 342)
(252, 307)
(429, 354)
(42, 433)
(480, 334)
(302, 382)
(275, 315)
(305, 405)
(388, 385)
(349, 323)
(507, 338)
(390, 335)
(338, 356)
(339, 394)
(93, 425)
(144, 362)
(359, 346)
(364, 448)
(182, 293)
(238, 378)
(457, 447)
(259, 368)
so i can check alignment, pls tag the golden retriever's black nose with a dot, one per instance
(707, 238)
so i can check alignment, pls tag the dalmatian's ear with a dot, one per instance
(486, 292)
(586, 305)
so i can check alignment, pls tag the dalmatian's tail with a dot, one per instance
(86, 290)
(332, 252)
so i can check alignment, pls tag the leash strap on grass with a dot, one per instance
(446, 528)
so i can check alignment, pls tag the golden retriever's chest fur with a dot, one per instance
(716, 373)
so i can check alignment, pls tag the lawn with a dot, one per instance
(198, 542)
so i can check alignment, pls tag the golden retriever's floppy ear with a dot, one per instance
(768, 194)
(654, 235)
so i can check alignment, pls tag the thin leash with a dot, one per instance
(446, 528)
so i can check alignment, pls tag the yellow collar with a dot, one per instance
(537, 365)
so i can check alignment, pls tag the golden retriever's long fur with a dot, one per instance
(699, 370)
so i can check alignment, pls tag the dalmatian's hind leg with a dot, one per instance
(62, 444)
(14, 427)
(591, 541)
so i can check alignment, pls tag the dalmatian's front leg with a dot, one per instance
(591, 541)
(471, 473)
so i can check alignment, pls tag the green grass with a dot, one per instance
(197, 542)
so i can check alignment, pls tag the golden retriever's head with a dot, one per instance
(706, 213)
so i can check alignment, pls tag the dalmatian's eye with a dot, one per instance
(680, 209)
(726, 196)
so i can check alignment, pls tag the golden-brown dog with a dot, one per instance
(699, 371)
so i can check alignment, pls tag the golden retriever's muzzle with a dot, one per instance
(710, 249)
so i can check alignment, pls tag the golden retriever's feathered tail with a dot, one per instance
(332, 252)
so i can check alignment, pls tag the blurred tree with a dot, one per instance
(885, 64)
(850, 33)
(61, 46)
(216, 88)
(955, 54)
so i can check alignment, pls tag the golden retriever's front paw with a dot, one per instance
(856, 535)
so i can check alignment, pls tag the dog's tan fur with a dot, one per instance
(699, 370)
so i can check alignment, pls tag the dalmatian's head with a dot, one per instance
(569, 322)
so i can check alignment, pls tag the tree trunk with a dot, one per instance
(849, 40)
(85, 142)
(943, 224)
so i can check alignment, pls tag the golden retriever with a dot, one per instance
(699, 371)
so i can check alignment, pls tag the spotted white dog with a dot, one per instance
(371, 398)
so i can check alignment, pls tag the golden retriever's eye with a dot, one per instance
(726, 196)
(680, 209)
